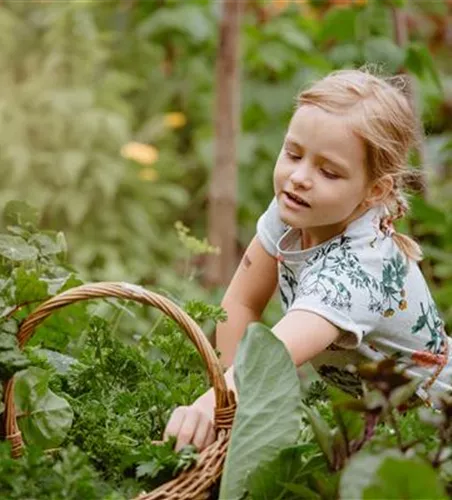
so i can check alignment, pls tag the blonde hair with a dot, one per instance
(380, 114)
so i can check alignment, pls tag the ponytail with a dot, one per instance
(407, 245)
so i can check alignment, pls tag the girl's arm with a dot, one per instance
(305, 334)
(251, 288)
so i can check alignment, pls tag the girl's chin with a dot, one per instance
(293, 220)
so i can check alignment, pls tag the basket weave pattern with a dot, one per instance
(194, 483)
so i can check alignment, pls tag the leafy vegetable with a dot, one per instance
(269, 411)
(37, 475)
(43, 417)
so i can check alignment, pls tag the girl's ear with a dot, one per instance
(379, 191)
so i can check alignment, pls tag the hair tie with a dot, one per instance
(386, 226)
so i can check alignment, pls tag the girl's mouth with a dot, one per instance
(293, 199)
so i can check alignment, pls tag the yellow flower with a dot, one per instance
(148, 174)
(403, 305)
(388, 313)
(174, 120)
(141, 153)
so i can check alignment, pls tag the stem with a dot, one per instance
(436, 461)
(116, 321)
(343, 430)
(393, 421)
(371, 420)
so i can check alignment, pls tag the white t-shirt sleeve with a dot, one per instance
(349, 301)
(270, 228)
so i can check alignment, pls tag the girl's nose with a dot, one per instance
(302, 175)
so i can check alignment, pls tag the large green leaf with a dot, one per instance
(16, 249)
(49, 244)
(269, 411)
(43, 417)
(62, 363)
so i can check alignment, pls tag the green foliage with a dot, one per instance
(65, 118)
(357, 448)
(109, 397)
(407, 478)
(11, 358)
(80, 83)
(37, 475)
(158, 464)
(130, 392)
(285, 474)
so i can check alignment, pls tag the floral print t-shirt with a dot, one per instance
(361, 282)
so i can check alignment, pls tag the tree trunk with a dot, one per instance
(401, 38)
(222, 226)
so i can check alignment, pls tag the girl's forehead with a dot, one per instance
(320, 131)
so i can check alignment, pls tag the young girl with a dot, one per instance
(350, 285)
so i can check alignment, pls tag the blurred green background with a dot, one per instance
(107, 120)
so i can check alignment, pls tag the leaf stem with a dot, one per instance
(395, 426)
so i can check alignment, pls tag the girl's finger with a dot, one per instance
(175, 422)
(187, 429)
(210, 437)
(202, 431)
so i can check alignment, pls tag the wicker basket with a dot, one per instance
(195, 483)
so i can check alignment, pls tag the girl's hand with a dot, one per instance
(190, 425)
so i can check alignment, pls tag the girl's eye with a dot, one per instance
(329, 175)
(293, 156)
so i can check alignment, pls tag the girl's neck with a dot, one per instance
(313, 236)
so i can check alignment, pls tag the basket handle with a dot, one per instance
(225, 401)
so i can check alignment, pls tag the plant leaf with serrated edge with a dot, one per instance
(28, 286)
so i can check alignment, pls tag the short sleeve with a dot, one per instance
(341, 289)
(270, 228)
